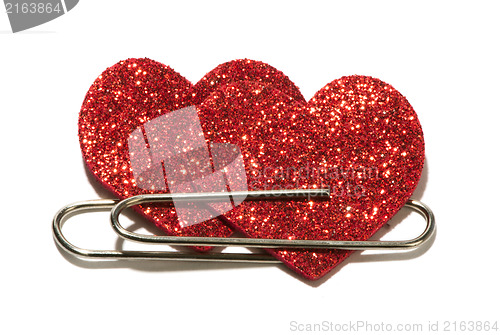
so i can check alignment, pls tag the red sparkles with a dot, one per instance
(357, 136)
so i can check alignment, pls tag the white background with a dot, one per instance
(443, 56)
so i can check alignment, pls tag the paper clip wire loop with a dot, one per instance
(117, 207)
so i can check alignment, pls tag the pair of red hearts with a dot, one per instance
(357, 136)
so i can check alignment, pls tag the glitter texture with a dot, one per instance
(123, 98)
(357, 136)
(135, 91)
(246, 70)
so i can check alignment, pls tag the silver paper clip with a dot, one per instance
(117, 206)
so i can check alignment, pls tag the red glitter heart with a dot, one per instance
(357, 136)
(132, 92)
